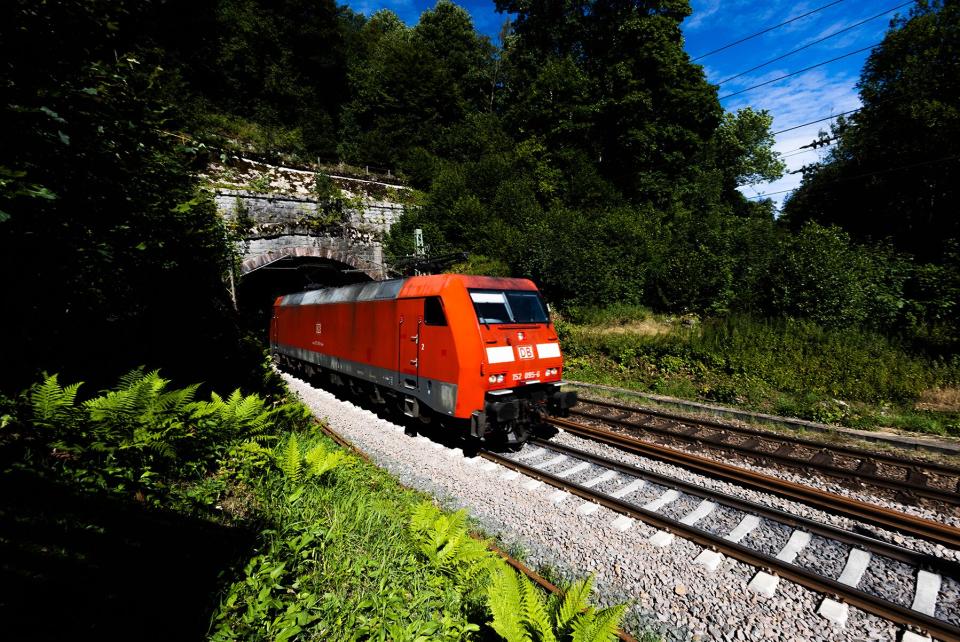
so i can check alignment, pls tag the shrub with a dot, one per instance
(141, 435)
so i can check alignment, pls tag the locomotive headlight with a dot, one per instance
(492, 379)
(500, 378)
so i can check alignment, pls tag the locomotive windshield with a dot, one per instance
(508, 306)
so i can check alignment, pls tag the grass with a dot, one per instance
(341, 563)
(786, 367)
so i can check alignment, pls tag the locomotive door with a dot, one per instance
(410, 312)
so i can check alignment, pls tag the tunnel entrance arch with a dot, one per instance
(317, 252)
(268, 276)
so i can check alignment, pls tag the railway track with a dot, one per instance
(910, 479)
(776, 542)
(915, 589)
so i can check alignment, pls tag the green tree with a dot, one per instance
(615, 84)
(895, 169)
(743, 148)
(411, 85)
(820, 274)
(123, 262)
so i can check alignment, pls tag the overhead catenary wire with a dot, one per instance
(767, 30)
(806, 149)
(799, 71)
(885, 99)
(865, 175)
(814, 122)
(815, 42)
(814, 144)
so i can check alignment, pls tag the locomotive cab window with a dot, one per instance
(508, 306)
(433, 311)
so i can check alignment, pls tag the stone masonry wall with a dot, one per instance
(277, 225)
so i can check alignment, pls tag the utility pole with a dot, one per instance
(418, 249)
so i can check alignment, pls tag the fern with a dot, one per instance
(130, 378)
(504, 599)
(535, 612)
(602, 625)
(520, 611)
(574, 601)
(445, 542)
(136, 399)
(422, 517)
(53, 404)
(320, 461)
(291, 459)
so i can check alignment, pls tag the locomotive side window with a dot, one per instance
(508, 306)
(433, 311)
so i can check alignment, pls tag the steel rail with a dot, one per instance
(812, 443)
(872, 604)
(865, 542)
(819, 462)
(852, 508)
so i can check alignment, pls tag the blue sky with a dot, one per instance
(821, 92)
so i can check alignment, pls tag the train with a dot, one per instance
(475, 352)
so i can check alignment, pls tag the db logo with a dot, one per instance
(525, 352)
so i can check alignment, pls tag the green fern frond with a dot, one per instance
(291, 459)
(130, 378)
(503, 599)
(457, 521)
(535, 615)
(234, 400)
(134, 397)
(175, 401)
(448, 554)
(319, 461)
(422, 518)
(52, 403)
(440, 532)
(605, 624)
(161, 449)
(574, 601)
(582, 626)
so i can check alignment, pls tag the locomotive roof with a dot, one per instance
(386, 290)
(372, 291)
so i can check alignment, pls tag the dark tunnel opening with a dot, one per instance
(258, 289)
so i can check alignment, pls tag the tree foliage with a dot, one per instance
(115, 244)
(894, 171)
(585, 150)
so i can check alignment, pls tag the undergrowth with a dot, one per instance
(784, 366)
(355, 556)
(341, 551)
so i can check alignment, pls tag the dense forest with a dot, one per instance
(583, 149)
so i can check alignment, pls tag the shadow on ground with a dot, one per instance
(75, 566)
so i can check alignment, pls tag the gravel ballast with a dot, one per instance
(668, 593)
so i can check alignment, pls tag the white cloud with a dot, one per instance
(792, 102)
(702, 11)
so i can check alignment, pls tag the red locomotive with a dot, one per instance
(475, 350)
